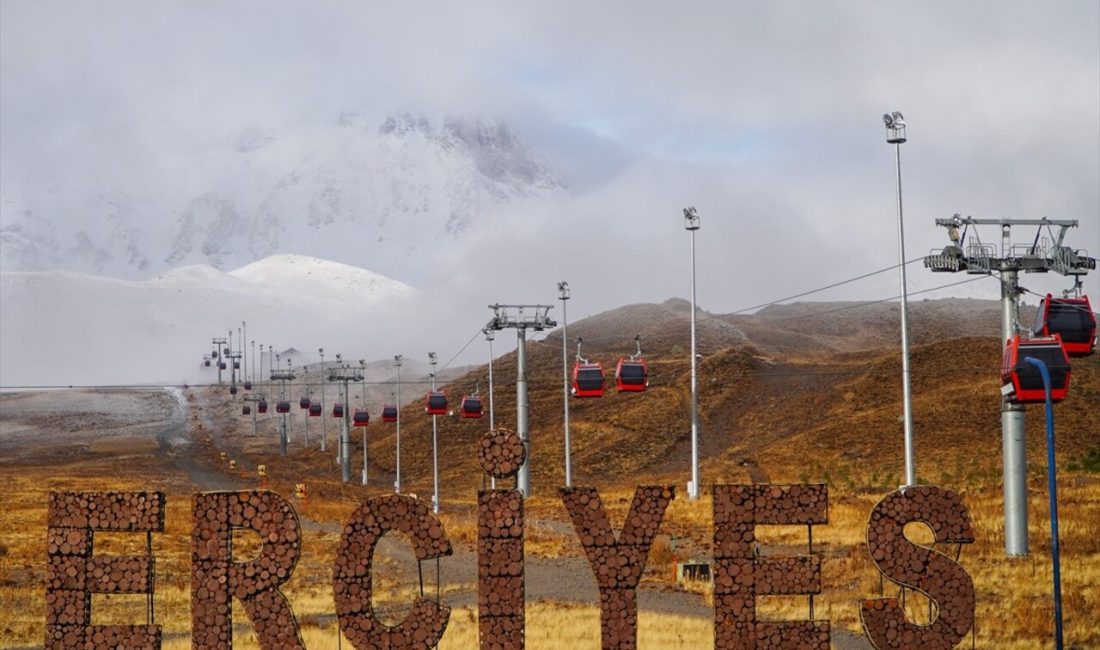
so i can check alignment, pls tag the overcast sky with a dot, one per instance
(764, 115)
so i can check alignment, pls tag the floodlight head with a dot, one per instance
(895, 127)
(563, 290)
(432, 357)
(691, 218)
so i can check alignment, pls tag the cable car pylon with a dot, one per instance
(979, 258)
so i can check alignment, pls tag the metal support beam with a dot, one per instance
(521, 318)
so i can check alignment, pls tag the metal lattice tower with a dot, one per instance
(1042, 255)
(522, 318)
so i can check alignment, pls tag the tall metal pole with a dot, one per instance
(1013, 434)
(261, 366)
(397, 358)
(691, 224)
(244, 350)
(324, 430)
(492, 424)
(906, 383)
(523, 479)
(253, 360)
(363, 373)
(435, 445)
(563, 294)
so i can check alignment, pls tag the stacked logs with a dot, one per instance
(216, 579)
(425, 624)
(501, 453)
(500, 590)
(73, 574)
(920, 568)
(740, 576)
(617, 564)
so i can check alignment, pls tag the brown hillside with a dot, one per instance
(785, 394)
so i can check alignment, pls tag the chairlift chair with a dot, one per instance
(588, 379)
(1022, 382)
(361, 418)
(1070, 318)
(314, 409)
(632, 373)
(389, 413)
(435, 403)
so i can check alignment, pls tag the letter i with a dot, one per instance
(500, 608)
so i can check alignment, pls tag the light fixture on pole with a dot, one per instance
(895, 135)
(691, 224)
(435, 449)
(563, 295)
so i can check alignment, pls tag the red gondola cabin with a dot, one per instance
(587, 380)
(1022, 382)
(315, 409)
(1070, 318)
(304, 403)
(282, 406)
(233, 389)
(246, 410)
(337, 410)
(361, 418)
(248, 385)
(389, 413)
(631, 375)
(436, 403)
(261, 406)
(471, 406)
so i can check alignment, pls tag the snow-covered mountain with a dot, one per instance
(59, 327)
(384, 192)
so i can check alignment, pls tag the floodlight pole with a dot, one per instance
(691, 224)
(563, 295)
(363, 376)
(397, 359)
(435, 443)
(895, 128)
(520, 318)
(489, 337)
(324, 431)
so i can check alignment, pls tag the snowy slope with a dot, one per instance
(58, 327)
(380, 191)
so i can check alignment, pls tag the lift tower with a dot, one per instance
(1043, 254)
(282, 377)
(521, 318)
(345, 374)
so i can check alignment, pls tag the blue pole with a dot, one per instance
(1053, 489)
